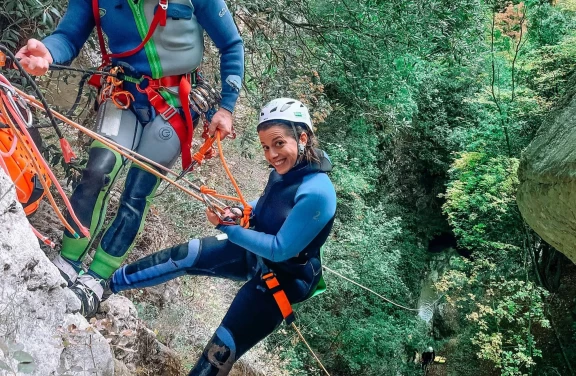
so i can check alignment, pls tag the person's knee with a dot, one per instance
(140, 186)
(218, 357)
(100, 170)
(179, 256)
(97, 177)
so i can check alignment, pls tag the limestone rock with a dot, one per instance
(547, 173)
(37, 313)
(134, 344)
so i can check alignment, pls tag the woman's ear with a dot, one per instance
(303, 138)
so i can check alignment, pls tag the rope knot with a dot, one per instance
(207, 190)
(245, 221)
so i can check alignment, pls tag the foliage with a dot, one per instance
(481, 204)
(500, 307)
(14, 356)
(429, 105)
(20, 20)
(501, 311)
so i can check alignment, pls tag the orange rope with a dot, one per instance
(129, 154)
(137, 159)
(245, 221)
(26, 148)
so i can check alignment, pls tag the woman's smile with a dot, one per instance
(280, 150)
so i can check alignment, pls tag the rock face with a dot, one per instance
(39, 327)
(135, 346)
(547, 173)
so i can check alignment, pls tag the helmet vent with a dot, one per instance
(274, 109)
(286, 106)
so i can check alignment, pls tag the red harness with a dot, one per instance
(183, 127)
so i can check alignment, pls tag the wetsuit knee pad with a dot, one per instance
(98, 175)
(157, 268)
(218, 357)
(181, 255)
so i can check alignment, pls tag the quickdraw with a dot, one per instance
(67, 152)
(112, 89)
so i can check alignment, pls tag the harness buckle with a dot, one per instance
(163, 4)
(169, 113)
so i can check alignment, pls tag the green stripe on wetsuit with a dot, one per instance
(104, 264)
(76, 249)
(150, 47)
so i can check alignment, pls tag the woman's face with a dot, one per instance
(280, 149)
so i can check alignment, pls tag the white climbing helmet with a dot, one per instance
(286, 109)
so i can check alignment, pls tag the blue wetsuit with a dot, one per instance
(174, 49)
(292, 220)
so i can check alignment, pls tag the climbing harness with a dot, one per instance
(269, 278)
(273, 285)
(160, 17)
(193, 91)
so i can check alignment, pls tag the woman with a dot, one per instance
(292, 220)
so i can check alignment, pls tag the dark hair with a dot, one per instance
(294, 130)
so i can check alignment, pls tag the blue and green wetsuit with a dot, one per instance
(292, 220)
(174, 49)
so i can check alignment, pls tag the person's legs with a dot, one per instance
(90, 198)
(212, 256)
(252, 316)
(159, 143)
(254, 313)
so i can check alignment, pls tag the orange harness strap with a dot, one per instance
(279, 296)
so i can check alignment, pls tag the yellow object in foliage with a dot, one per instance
(440, 359)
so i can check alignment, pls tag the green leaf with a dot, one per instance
(3, 347)
(23, 357)
(26, 367)
(5, 366)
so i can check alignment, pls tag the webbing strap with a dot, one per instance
(160, 17)
(183, 128)
(103, 51)
(280, 297)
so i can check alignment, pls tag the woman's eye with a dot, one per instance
(279, 143)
